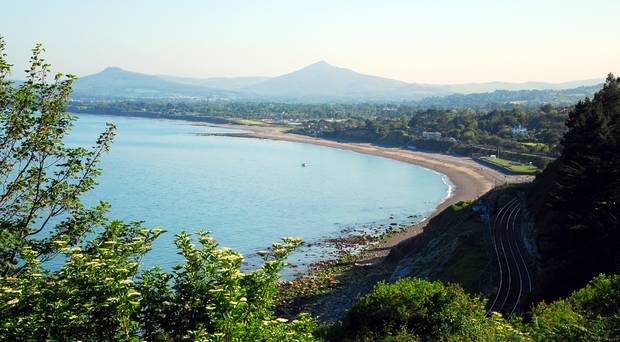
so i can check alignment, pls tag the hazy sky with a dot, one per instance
(433, 41)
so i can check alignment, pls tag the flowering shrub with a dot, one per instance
(209, 298)
(100, 294)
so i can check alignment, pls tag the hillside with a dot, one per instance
(485, 87)
(225, 83)
(322, 82)
(115, 82)
(569, 214)
(575, 202)
(499, 98)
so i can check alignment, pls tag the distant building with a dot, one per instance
(519, 130)
(431, 135)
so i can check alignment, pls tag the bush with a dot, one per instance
(92, 297)
(99, 294)
(589, 314)
(208, 296)
(415, 309)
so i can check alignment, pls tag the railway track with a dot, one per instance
(515, 281)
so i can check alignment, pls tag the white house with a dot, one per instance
(431, 135)
(519, 130)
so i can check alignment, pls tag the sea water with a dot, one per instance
(249, 192)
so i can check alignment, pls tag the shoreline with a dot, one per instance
(466, 179)
(327, 287)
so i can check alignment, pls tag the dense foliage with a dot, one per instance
(506, 98)
(464, 131)
(576, 201)
(200, 109)
(101, 294)
(197, 110)
(42, 179)
(545, 125)
(209, 297)
(589, 314)
(461, 131)
(414, 310)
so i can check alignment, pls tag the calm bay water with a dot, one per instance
(249, 192)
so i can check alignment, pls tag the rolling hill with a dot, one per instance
(470, 88)
(318, 82)
(114, 82)
(323, 81)
(225, 83)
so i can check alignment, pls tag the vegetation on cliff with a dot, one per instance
(420, 310)
(576, 200)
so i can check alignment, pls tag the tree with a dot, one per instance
(589, 314)
(42, 179)
(578, 196)
(100, 292)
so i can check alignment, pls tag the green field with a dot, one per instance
(249, 122)
(533, 144)
(512, 166)
(261, 123)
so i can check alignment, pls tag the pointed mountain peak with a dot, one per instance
(319, 64)
(113, 69)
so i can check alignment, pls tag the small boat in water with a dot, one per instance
(305, 164)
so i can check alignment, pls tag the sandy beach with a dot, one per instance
(469, 178)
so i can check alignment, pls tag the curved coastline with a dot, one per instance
(466, 179)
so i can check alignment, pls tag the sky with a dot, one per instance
(422, 41)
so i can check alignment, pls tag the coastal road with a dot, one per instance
(515, 282)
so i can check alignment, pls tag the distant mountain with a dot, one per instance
(318, 82)
(323, 81)
(501, 98)
(470, 88)
(115, 82)
(226, 83)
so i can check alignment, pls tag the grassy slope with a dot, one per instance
(533, 144)
(508, 165)
(452, 248)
